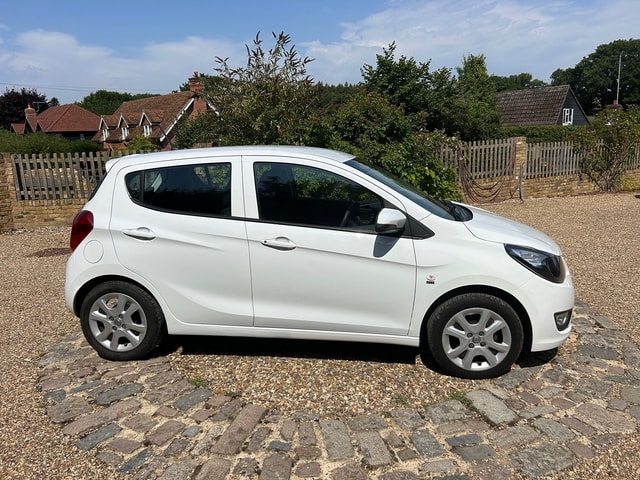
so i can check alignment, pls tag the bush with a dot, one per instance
(39, 142)
(539, 134)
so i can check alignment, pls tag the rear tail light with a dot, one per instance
(82, 226)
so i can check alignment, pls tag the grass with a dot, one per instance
(198, 382)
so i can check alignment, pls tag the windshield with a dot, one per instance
(441, 208)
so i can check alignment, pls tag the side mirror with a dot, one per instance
(390, 221)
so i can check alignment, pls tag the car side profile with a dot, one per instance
(307, 243)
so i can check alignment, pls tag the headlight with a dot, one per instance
(548, 266)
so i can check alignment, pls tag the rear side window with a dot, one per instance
(202, 189)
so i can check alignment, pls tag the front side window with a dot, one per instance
(189, 189)
(303, 195)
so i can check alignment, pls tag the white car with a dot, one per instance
(307, 243)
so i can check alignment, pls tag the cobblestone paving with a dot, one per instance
(148, 422)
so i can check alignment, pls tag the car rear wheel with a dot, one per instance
(121, 321)
(474, 335)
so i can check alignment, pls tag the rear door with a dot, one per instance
(180, 227)
(316, 262)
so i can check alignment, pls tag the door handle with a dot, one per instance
(279, 243)
(141, 233)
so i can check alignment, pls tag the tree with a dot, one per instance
(14, 102)
(516, 82)
(269, 101)
(612, 139)
(473, 113)
(422, 94)
(379, 133)
(104, 102)
(594, 79)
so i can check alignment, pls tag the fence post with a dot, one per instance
(6, 214)
(520, 168)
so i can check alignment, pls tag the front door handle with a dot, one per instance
(141, 233)
(279, 243)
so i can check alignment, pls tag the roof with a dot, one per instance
(66, 118)
(161, 111)
(202, 153)
(161, 108)
(532, 106)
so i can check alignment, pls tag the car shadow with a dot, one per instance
(319, 350)
(269, 347)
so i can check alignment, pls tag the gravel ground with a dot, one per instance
(599, 235)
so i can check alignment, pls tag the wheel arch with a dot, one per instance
(87, 287)
(507, 297)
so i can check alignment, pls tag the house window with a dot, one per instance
(125, 133)
(105, 133)
(147, 130)
(567, 116)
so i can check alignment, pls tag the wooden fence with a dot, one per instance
(495, 158)
(57, 176)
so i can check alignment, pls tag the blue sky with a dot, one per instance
(68, 49)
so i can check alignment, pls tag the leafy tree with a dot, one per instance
(14, 102)
(516, 82)
(474, 115)
(104, 102)
(269, 101)
(422, 94)
(608, 144)
(331, 97)
(141, 144)
(378, 133)
(594, 79)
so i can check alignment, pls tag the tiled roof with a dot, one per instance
(162, 109)
(67, 118)
(533, 106)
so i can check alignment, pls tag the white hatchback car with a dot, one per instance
(307, 243)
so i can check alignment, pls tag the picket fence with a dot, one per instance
(58, 176)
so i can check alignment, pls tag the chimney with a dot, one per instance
(29, 112)
(195, 84)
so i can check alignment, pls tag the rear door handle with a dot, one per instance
(279, 243)
(141, 233)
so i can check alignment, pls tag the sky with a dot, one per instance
(69, 49)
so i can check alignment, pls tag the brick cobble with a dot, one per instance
(537, 420)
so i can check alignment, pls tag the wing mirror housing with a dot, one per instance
(390, 221)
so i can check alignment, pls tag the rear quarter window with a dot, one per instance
(201, 189)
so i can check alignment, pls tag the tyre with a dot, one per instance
(121, 321)
(474, 335)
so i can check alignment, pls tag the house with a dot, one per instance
(71, 121)
(540, 106)
(153, 117)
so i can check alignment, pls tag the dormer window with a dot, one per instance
(125, 132)
(567, 116)
(147, 130)
(105, 133)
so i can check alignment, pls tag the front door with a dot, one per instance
(316, 261)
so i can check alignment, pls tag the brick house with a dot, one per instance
(71, 121)
(540, 106)
(152, 117)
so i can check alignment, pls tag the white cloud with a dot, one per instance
(535, 36)
(58, 65)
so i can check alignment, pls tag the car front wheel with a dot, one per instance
(474, 335)
(121, 321)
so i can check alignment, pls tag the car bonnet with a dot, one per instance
(494, 228)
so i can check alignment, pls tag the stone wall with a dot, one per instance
(6, 192)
